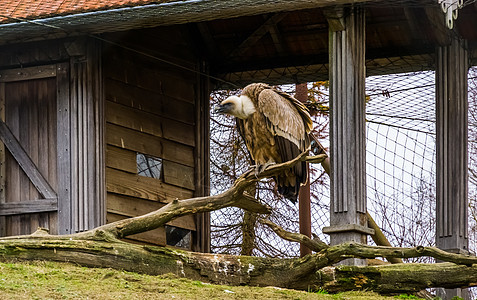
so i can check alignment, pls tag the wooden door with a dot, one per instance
(28, 154)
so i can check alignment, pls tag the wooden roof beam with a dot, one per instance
(277, 39)
(209, 41)
(257, 34)
(438, 23)
(334, 16)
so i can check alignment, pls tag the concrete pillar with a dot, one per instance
(452, 165)
(347, 150)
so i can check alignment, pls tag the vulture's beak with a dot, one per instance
(222, 108)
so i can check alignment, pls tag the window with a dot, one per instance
(149, 166)
(178, 237)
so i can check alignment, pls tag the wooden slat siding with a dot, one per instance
(173, 173)
(143, 187)
(52, 154)
(156, 236)
(150, 109)
(87, 142)
(347, 92)
(134, 119)
(151, 101)
(149, 78)
(64, 149)
(12, 168)
(3, 223)
(149, 123)
(133, 207)
(33, 53)
(26, 207)
(148, 144)
(121, 159)
(177, 174)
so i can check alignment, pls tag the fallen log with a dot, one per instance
(312, 272)
(102, 247)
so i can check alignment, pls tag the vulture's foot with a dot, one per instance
(261, 167)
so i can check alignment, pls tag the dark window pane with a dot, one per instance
(149, 166)
(178, 237)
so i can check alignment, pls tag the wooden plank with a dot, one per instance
(178, 132)
(134, 119)
(27, 207)
(201, 238)
(177, 174)
(150, 78)
(121, 159)
(149, 123)
(64, 149)
(253, 38)
(27, 73)
(3, 224)
(143, 187)
(148, 144)
(25, 162)
(133, 207)
(153, 102)
(133, 140)
(156, 236)
(178, 153)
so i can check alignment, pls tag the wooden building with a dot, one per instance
(126, 82)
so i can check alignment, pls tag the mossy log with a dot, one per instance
(310, 272)
(102, 247)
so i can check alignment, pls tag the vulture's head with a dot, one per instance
(241, 107)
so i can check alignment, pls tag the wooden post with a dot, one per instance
(201, 241)
(304, 200)
(452, 165)
(348, 153)
(80, 139)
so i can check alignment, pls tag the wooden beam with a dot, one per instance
(334, 16)
(208, 40)
(451, 147)
(304, 199)
(277, 39)
(347, 132)
(25, 162)
(436, 18)
(257, 34)
(27, 207)
(28, 73)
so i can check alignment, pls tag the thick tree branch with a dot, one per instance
(234, 196)
(313, 244)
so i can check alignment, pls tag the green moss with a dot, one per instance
(49, 280)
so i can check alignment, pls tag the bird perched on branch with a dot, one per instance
(276, 128)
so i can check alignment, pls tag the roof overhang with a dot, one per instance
(151, 15)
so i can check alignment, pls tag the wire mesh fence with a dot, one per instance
(400, 166)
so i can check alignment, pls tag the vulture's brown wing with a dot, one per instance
(288, 120)
(286, 117)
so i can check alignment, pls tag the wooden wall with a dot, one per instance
(52, 162)
(150, 109)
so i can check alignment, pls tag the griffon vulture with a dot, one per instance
(276, 128)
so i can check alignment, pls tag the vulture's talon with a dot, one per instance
(261, 167)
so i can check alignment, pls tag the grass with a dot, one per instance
(48, 280)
